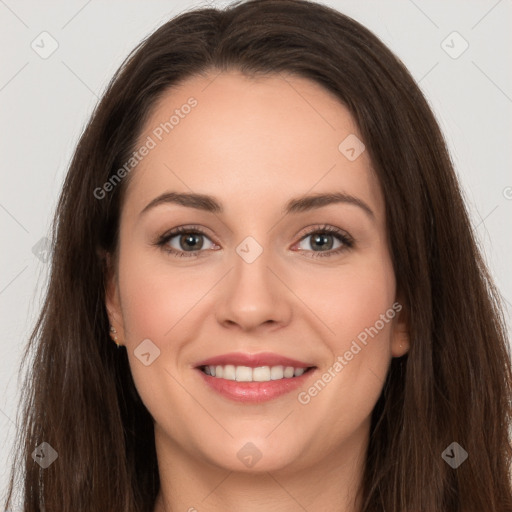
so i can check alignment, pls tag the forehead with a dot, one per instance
(247, 139)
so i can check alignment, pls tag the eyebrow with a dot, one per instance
(300, 204)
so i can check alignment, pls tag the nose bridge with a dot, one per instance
(253, 295)
(251, 266)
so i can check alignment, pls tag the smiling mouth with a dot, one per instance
(258, 374)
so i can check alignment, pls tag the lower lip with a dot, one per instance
(255, 392)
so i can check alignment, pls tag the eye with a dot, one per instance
(189, 241)
(323, 241)
(185, 241)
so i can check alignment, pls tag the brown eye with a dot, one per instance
(190, 241)
(326, 241)
(185, 241)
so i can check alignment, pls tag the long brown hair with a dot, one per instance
(454, 385)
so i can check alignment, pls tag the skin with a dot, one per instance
(254, 144)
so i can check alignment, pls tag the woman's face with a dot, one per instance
(255, 273)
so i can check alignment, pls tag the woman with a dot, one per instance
(263, 216)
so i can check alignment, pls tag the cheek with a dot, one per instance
(357, 312)
(155, 302)
(352, 298)
(155, 298)
(361, 319)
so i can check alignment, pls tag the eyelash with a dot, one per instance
(346, 240)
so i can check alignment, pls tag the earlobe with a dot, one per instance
(112, 302)
(400, 345)
(400, 342)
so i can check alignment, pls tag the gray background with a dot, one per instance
(45, 103)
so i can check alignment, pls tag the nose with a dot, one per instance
(254, 297)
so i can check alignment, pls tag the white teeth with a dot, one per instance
(248, 374)
(288, 372)
(243, 374)
(229, 372)
(261, 374)
(276, 372)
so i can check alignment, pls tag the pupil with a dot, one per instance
(320, 240)
(188, 241)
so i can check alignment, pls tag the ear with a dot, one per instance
(400, 340)
(112, 299)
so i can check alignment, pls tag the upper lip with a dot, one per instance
(253, 360)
